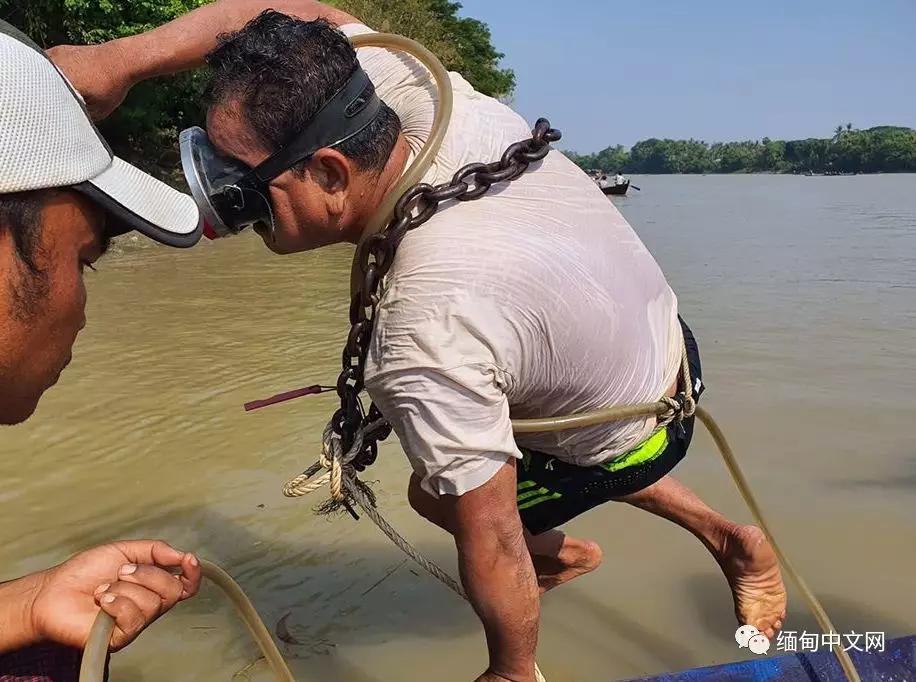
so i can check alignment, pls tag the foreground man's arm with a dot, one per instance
(104, 74)
(497, 574)
(131, 581)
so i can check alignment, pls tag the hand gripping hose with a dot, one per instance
(95, 654)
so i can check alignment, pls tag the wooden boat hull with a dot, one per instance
(896, 662)
(616, 190)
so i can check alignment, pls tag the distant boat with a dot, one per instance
(609, 185)
(616, 190)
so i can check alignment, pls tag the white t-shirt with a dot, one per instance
(537, 300)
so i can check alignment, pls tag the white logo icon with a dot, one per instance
(759, 644)
(750, 637)
(744, 633)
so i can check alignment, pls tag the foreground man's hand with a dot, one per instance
(132, 581)
(104, 74)
(98, 72)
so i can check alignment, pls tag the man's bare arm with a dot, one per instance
(104, 74)
(16, 626)
(497, 573)
(183, 43)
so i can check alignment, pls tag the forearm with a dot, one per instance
(183, 44)
(17, 629)
(497, 573)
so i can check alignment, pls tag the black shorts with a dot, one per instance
(551, 492)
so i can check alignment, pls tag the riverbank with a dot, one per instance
(879, 149)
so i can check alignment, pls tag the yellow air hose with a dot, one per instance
(95, 655)
(421, 164)
(96, 652)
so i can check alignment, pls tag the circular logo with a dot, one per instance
(759, 644)
(744, 634)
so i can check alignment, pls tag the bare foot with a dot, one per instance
(575, 558)
(752, 570)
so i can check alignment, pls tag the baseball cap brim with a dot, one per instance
(138, 201)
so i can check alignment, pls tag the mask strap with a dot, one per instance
(350, 111)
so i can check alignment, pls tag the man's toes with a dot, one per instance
(770, 628)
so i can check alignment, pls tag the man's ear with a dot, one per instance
(331, 170)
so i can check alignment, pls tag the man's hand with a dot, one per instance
(100, 73)
(132, 581)
(104, 74)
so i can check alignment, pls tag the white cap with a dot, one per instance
(47, 139)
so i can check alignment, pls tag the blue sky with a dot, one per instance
(616, 72)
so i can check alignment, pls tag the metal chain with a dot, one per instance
(375, 257)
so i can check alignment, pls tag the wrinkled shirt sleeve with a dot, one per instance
(453, 424)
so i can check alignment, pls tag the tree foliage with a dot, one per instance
(881, 149)
(463, 44)
(145, 128)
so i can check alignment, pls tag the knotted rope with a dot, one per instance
(346, 486)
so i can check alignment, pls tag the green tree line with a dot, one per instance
(890, 149)
(145, 129)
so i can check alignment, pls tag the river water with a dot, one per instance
(802, 292)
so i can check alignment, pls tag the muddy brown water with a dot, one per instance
(802, 292)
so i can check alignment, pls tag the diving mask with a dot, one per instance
(233, 196)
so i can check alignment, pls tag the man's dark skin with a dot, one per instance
(41, 314)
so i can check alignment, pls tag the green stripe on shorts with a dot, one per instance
(528, 494)
(521, 497)
(538, 500)
(650, 448)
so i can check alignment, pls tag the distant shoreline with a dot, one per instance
(883, 149)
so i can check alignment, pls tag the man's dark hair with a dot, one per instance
(20, 217)
(281, 71)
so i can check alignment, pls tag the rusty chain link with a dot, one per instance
(376, 255)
